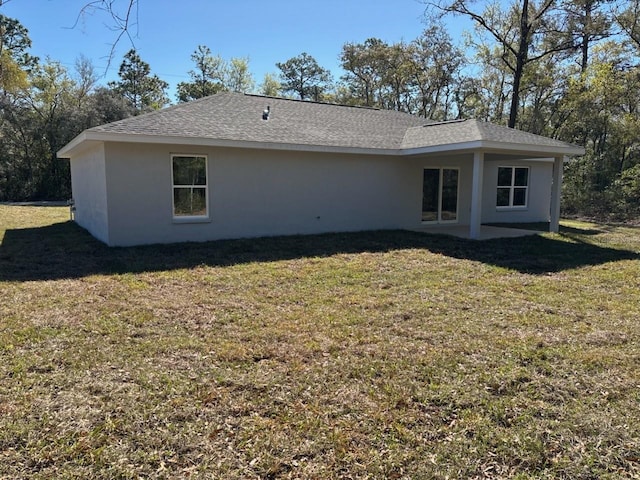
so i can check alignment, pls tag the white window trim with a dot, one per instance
(512, 188)
(190, 218)
(439, 220)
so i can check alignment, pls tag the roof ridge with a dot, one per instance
(316, 102)
(444, 122)
(477, 126)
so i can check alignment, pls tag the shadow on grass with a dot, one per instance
(64, 250)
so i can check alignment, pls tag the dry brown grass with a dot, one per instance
(375, 355)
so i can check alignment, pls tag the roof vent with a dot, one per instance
(266, 112)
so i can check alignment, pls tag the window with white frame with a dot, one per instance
(513, 187)
(189, 178)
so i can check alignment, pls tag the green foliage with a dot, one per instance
(362, 64)
(270, 85)
(303, 76)
(37, 124)
(15, 41)
(15, 61)
(527, 32)
(213, 74)
(628, 19)
(141, 89)
(239, 78)
(416, 77)
(206, 79)
(43, 108)
(12, 77)
(434, 65)
(600, 111)
(627, 187)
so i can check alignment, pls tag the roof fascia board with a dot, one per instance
(524, 148)
(65, 151)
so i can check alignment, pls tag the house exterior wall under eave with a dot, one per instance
(539, 195)
(89, 190)
(258, 193)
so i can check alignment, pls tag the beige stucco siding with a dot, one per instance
(139, 189)
(280, 192)
(89, 184)
(539, 195)
(257, 193)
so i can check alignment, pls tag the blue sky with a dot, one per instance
(265, 31)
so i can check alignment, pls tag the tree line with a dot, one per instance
(565, 69)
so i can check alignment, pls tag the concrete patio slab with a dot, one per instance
(486, 232)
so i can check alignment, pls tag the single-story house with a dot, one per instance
(236, 165)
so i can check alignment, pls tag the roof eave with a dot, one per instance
(69, 148)
(463, 147)
(498, 147)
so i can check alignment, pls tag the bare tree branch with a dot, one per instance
(122, 20)
(629, 22)
(460, 8)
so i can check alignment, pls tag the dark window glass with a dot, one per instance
(430, 185)
(504, 176)
(519, 197)
(189, 201)
(521, 177)
(449, 194)
(189, 171)
(502, 199)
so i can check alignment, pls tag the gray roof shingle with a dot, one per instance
(464, 131)
(236, 117)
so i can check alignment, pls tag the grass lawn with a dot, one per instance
(380, 355)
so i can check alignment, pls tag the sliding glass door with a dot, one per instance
(440, 195)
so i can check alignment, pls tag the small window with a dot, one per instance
(189, 174)
(513, 186)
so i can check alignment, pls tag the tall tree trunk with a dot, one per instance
(521, 61)
(586, 38)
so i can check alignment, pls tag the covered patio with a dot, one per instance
(476, 230)
(486, 149)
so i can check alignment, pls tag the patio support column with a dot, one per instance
(476, 195)
(556, 190)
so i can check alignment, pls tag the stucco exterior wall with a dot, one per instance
(539, 197)
(258, 193)
(89, 185)
(123, 192)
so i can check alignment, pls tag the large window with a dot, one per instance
(440, 195)
(513, 187)
(189, 174)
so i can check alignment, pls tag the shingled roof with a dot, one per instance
(464, 131)
(236, 119)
